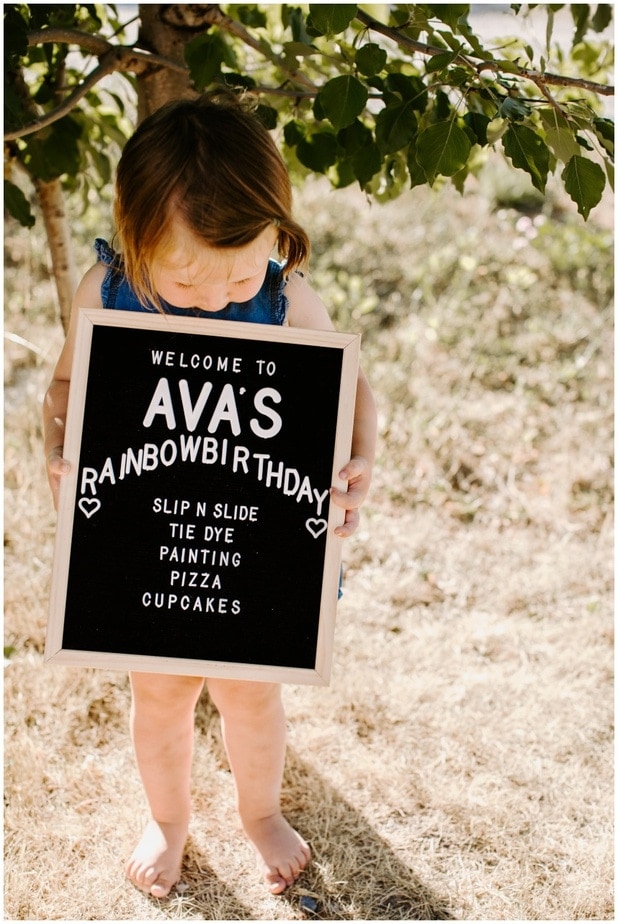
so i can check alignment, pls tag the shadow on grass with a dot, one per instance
(355, 874)
(207, 898)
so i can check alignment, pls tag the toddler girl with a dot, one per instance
(202, 199)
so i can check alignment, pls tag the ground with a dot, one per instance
(459, 765)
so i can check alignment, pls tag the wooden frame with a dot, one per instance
(205, 443)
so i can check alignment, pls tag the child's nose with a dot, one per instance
(214, 298)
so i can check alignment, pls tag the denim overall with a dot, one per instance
(269, 306)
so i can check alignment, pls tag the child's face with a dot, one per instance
(190, 274)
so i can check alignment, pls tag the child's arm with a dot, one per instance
(305, 309)
(57, 396)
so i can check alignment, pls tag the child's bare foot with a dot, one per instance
(154, 865)
(281, 851)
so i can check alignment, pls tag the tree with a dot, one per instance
(389, 97)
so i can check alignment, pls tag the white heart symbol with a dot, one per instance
(89, 505)
(316, 527)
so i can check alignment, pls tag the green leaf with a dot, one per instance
(267, 116)
(389, 183)
(204, 56)
(251, 16)
(508, 67)
(549, 28)
(295, 19)
(45, 93)
(354, 137)
(478, 123)
(472, 38)
(587, 56)
(457, 76)
(551, 118)
(417, 174)
(294, 50)
(343, 99)
(118, 101)
(370, 59)
(528, 151)
(609, 169)
(367, 162)
(514, 109)
(604, 130)
(55, 151)
(450, 13)
(459, 180)
(376, 82)
(404, 16)
(113, 128)
(293, 132)
(581, 15)
(318, 111)
(235, 80)
(584, 181)
(410, 89)
(102, 166)
(396, 125)
(15, 37)
(562, 143)
(442, 149)
(15, 116)
(602, 17)
(17, 205)
(450, 40)
(61, 147)
(331, 18)
(343, 173)
(442, 108)
(440, 61)
(318, 152)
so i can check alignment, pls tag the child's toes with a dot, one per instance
(148, 877)
(161, 888)
(275, 881)
(279, 880)
(158, 884)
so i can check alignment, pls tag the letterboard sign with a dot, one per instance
(195, 530)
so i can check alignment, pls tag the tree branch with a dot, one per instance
(99, 46)
(540, 84)
(536, 76)
(95, 44)
(127, 58)
(217, 18)
(111, 58)
(64, 108)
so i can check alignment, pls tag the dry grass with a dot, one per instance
(460, 764)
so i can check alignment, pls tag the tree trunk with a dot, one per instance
(165, 29)
(51, 200)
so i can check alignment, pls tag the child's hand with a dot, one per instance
(358, 475)
(57, 466)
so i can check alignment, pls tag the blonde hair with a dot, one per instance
(212, 164)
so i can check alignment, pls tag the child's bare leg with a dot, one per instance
(253, 723)
(162, 722)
